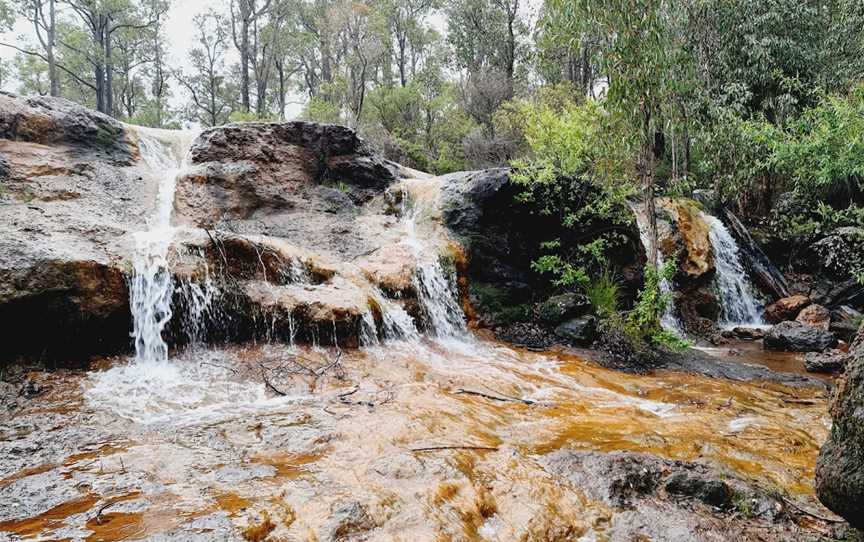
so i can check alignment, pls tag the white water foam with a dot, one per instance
(436, 287)
(179, 392)
(739, 305)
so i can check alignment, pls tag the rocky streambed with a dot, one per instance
(423, 441)
(318, 356)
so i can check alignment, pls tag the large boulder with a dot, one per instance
(289, 231)
(839, 254)
(786, 308)
(840, 466)
(319, 185)
(798, 337)
(689, 239)
(483, 211)
(71, 191)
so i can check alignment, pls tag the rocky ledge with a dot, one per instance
(290, 221)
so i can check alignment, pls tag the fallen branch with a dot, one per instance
(501, 398)
(804, 511)
(800, 401)
(269, 384)
(435, 448)
(342, 397)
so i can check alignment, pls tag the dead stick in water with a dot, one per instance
(434, 448)
(502, 398)
(268, 384)
(800, 401)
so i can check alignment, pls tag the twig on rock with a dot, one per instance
(502, 398)
(455, 447)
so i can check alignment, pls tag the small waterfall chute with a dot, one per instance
(739, 303)
(151, 285)
(435, 286)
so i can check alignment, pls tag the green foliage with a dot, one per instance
(577, 174)
(644, 321)
(823, 152)
(603, 292)
(324, 111)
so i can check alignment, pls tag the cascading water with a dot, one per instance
(668, 320)
(151, 286)
(739, 304)
(436, 288)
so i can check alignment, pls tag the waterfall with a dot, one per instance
(739, 304)
(435, 286)
(669, 320)
(151, 286)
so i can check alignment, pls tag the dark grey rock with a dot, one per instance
(579, 331)
(709, 490)
(798, 337)
(560, 307)
(830, 361)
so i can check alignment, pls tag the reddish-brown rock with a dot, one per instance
(786, 308)
(816, 316)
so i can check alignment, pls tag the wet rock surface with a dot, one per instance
(816, 316)
(674, 500)
(830, 361)
(798, 337)
(72, 192)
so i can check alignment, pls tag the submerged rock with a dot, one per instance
(840, 466)
(830, 361)
(786, 308)
(744, 333)
(666, 500)
(798, 337)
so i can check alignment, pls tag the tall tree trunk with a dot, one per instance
(109, 75)
(52, 40)
(280, 70)
(99, 77)
(647, 172)
(244, 58)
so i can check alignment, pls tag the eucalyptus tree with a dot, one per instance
(42, 15)
(406, 24)
(103, 19)
(247, 21)
(644, 61)
(206, 83)
(485, 38)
